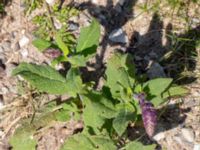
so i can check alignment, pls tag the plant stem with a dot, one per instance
(50, 17)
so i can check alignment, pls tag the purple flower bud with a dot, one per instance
(149, 115)
(52, 53)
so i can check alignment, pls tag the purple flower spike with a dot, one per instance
(52, 53)
(149, 115)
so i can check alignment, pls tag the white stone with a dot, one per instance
(59, 66)
(196, 147)
(1, 104)
(188, 134)
(24, 53)
(95, 1)
(1, 133)
(159, 136)
(118, 36)
(4, 90)
(50, 2)
(57, 24)
(23, 41)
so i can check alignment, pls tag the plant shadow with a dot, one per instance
(177, 56)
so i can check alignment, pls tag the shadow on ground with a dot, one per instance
(176, 55)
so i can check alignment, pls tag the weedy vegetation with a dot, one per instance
(124, 100)
(106, 113)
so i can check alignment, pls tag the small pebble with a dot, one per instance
(6, 46)
(118, 36)
(196, 147)
(24, 53)
(1, 103)
(4, 90)
(159, 136)
(1, 133)
(188, 134)
(50, 2)
(156, 71)
(73, 26)
(118, 8)
(57, 24)
(23, 41)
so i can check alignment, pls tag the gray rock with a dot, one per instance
(118, 36)
(73, 26)
(118, 8)
(188, 134)
(15, 47)
(14, 34)
(6, 46)
(23, 41)
(3, 58)
(156, 71)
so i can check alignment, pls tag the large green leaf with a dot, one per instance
(41, 44)
(175, 91)
(97, 109)
(157, 86)
(117, 74)
(89, 38)
(172, 91)
(84, 142)
(120, 123)
(139, 146)
(23, 139)
(44, 78)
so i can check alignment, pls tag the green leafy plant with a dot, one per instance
(52, 24)
(106, 113)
